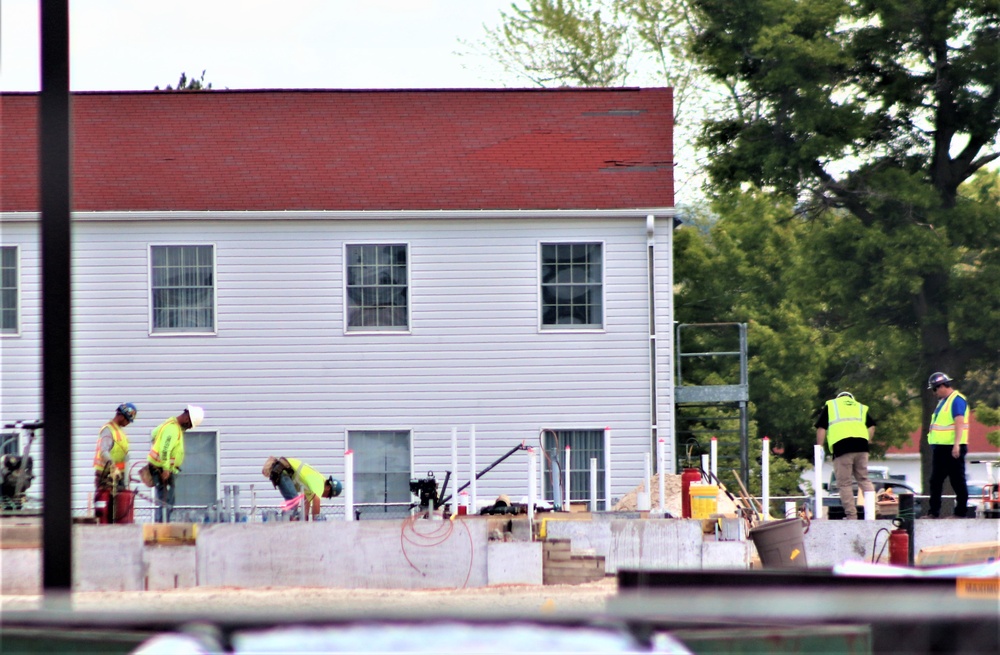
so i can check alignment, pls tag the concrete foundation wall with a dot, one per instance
(361, 554)
(426, 554)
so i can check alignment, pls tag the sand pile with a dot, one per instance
(672, 492)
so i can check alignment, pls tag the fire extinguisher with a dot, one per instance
(899, 547)
(687, 477)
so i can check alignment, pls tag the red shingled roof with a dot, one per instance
(352, 150)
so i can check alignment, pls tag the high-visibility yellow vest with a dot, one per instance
(942, 432)
(846, 420)
(119, 447)
(168, 446)
(307, 478)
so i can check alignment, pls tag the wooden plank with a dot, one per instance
(983, 551)
(170, 533)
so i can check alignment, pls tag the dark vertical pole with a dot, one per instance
(55, 189)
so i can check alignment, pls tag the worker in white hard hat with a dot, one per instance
(166, 456)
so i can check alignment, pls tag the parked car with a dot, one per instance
(880, 478)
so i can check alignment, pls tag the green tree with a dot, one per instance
(872, 115)
(189, 84)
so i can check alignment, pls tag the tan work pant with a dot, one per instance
(848, 468)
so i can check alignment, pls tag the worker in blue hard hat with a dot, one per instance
(111, 454)
(949, 438)
(293, 477)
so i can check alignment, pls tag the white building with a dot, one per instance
(363, 270)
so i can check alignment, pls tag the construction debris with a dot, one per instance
(672, 492)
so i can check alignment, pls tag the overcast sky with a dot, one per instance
(252, 44)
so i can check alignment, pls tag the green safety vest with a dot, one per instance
(168, 446)
(306, 478)
(847, 420)
(119, 447)
(942, 432)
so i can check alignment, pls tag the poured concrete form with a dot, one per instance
(423, 554)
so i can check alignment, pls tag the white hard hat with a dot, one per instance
(197, 415)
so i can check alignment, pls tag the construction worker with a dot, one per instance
(166, 456)
(846, 427)
(293, 477)
(111, 454)
(949, 438)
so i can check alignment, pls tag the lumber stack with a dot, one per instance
(561, 566)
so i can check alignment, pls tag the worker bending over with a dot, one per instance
(111, 453)
(293, 477)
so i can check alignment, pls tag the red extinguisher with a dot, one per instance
(899, 547)
(687, 477)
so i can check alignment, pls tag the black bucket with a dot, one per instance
(780, 544)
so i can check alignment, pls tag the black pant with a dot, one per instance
(943, 465)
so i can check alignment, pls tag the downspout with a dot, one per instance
(651, 292)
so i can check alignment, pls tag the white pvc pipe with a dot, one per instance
(532, 481)
(349, 485)
(869, 505)
(566, 472)
(765, 479)
(454, 471)
(818, 481)
(473, 500)
(607, 469)
(647, 464)
(662, 447)
(704, 467)
(593, 484)
(714, 458)
(789, 509)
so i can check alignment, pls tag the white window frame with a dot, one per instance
(16, 332)
(166, 332)
(348, 446)
(546, 467)
(218, 462)
(568, 328)
(388, 330)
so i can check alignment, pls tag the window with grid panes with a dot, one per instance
(198, 481)
(8, 290)
(572, 285)
(183, 288)
(381, 471)
(584, 445)
(377, 287)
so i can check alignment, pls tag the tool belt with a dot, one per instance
(274, 467)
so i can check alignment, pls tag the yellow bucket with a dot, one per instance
(704, 500)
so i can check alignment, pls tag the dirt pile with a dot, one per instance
(672, 493)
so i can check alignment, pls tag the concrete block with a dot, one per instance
(391, 554)
(20, 571)
(645, 544)
(726, 555)
(108, 558)
(514, 562)
(169, 567)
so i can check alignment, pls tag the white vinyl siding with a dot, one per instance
(281, 377)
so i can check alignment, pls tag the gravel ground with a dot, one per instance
(584, 599)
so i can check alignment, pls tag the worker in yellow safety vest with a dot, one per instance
(846, 427)
(166, 456)
(111, 454)
(948, 437)
(293, 477)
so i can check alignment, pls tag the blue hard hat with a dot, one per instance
(336, 488)
(937, 379)
(128, 410)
